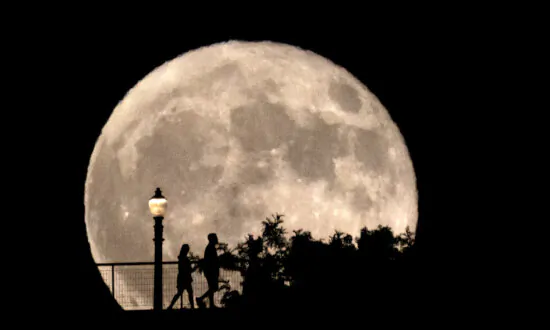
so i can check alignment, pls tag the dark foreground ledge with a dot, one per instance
(269, 315)
(183, 314)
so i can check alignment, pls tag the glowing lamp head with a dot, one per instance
(158, 204)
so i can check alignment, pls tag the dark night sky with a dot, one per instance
(413, 71)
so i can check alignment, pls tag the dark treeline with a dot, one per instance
(295, 272)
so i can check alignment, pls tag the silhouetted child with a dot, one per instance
(211, 269)
(184, 277)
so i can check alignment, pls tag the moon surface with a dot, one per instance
(234, 132)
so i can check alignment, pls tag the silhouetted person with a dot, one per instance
(211, 269)
(184, 277)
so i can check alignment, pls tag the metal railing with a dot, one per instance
(131, 284)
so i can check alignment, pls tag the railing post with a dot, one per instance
(113, 279)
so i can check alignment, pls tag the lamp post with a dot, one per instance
(157, 206)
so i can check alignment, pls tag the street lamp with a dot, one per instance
(157, 206)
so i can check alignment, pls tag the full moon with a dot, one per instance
(237, 131)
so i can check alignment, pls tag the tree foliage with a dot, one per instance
(280, 269)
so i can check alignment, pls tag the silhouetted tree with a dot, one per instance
(336, 240)
(318, 274)
(297, 255)
(405, 241)
(273, 232)
(377, 245)
(275, 248)
(228, 260)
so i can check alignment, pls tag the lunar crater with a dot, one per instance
(261, 126)
(313, 149)
(345, 96)
(372, 149)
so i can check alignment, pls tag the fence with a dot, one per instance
(132, 284)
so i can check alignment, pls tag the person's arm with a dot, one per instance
(197, 265)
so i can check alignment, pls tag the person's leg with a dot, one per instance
(207, 293)
(176, 297)
(211, 298)
(212, 289)
(190, 295)
(200, 300)
(210, 295)
(203, 295)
